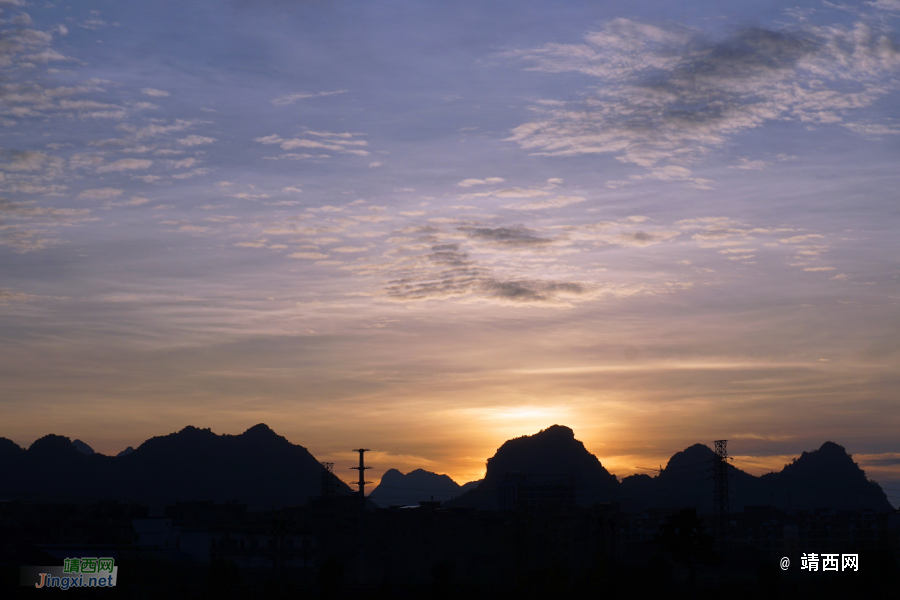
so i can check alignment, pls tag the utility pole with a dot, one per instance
(362, 509)
(720, 492)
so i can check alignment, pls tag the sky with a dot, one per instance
(426, 228)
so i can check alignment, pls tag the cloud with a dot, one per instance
(30, 210)
(196, 140)
(21, 20)
(125, 164)
(488, 180)
(872, 129)
(507, 237)
(155, 129)
(147, 178)
(7, 296)
(25, 161)
(17, 41)
(350, 249)
(192, 173)
(293, 188)
(246, 196)
(373, 165)
(888, 5)
(135, 201)
(46, 56)
(24, 226)
(292, 98)
(184, 163)
(631, 232)
(640, 238)
(372, 218)
(530, 290)
(448, 258)
(34, 188)
(257, 244)
(446, 271)
(799, 239)
(100, 194)
(665, 95)
(155, 93)
(93, 24)
(558, 202)
(294, 156)
(332, 134)
(515, 192)
(337, 145)
(750, 165)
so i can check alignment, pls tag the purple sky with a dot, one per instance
(427, 228)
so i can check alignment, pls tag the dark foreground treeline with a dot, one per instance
(207, 550)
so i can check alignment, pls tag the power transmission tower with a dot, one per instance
(362, 509)
(329, 485)
(720, 492)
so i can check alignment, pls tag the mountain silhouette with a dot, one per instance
(399, 489)
(824, 478)
(687, 481)
(258, 467)
(264, 470)
(82, 447)
(552, 451)
(470, 486)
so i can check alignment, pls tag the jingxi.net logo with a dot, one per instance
(75, 572)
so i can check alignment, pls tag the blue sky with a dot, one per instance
(428, 228)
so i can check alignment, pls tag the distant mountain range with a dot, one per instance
(397, 489)
(258, 467)
(82, 447)
(824, 478)
(265, 470)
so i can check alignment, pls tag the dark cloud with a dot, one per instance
(512, 237)
(447, 272)
(531, 290)
(669, 95)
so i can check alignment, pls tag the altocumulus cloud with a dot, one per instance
(667, 95)
(558, 202)
(100, 193)
(126, 164)
(196, 140)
